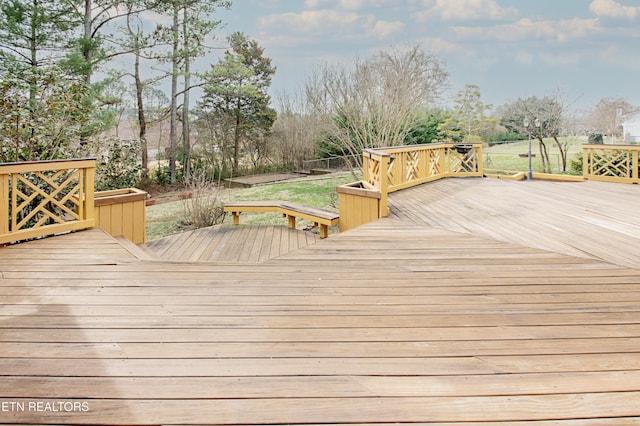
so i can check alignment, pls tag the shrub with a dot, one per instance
(162, 175)
(118, 167)
(596, 139)
(506, 137)
(203, 208)
(576, 164)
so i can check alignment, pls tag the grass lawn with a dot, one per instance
(169, 218)
(505, 156)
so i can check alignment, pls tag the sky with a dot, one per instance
(584, 49)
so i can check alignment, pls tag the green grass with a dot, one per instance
(505, 156)
(169, 218)
(165, 219)
(312, 191)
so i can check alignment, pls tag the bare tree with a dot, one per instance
(294, 132)
(376, 103)
(550, 112)
(607, 115)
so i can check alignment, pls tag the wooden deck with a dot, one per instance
(230, 243)
(588, 219)
(393, 322)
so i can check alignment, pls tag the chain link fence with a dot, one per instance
(331, 163)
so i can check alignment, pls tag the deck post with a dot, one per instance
(4, 205)
(585, 162)
(384, 185)
(443, 155)
(89, 194)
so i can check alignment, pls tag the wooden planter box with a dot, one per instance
(358, 204)
(122, 212)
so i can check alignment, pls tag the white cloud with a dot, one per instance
(562, 30)
(346, 4)
(313, 21)
(464, 10)
(352, 4)
(440, 45)
(332, 22)
(385, 29)
(613, 9)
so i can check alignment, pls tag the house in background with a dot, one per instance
(631, 127)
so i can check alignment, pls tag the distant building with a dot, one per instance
(631, 127)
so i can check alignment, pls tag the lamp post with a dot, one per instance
(526, 124)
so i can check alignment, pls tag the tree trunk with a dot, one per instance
(563, 153)
(236, 140)
(173, 130)
(142, 121)
(33, 88)
(544, 155)
(186, 128)
(86, 49)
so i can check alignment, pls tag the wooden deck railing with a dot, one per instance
(611, 163)
(393, 169)
(45, 198)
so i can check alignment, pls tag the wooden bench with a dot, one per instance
(292, 211)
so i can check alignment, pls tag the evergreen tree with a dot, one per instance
(235, 94)
(35, 34)
(470, 113)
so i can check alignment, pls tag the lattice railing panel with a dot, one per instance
(372, 172)
(435, 162)
(397, 168)
(415, 164)
(390, 174)
(412, 166)
(40, 199)
(45, 198)
(462, 162)
(613, 163)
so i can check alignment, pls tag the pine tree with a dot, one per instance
(236, 93)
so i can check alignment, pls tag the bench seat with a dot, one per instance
(320, 217)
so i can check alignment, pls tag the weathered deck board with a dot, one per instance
(319, 386)
(394, 322)
(588, 219)
(353, 410)
(228, 243)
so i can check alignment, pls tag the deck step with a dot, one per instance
(139, 251)
(230, 243)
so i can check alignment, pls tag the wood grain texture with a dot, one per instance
(227, 243)
(402, 320)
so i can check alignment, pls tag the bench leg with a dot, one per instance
(324, 231)
(236, 218)
(292, 222)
